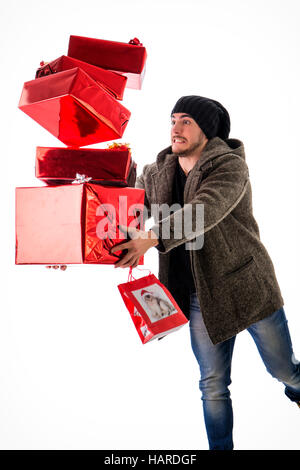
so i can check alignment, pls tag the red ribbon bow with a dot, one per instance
(135, 42)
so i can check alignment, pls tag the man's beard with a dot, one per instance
(190, 150)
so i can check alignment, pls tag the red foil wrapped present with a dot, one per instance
(112, 166)
(128, 59)
(74, 108)
(113, 82)
(75, 223)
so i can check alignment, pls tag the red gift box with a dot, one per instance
(75, 223)
(74, 108)
(128, 59)
(104, 166)
(113, 82)
(152, 308)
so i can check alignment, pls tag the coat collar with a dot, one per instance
(214, 148)
(163, 174)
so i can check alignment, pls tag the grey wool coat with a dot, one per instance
(234, 276)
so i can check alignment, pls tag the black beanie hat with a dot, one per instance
(209, 114)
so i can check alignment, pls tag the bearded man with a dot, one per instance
(227, 283)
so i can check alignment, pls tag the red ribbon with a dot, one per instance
(130, 276)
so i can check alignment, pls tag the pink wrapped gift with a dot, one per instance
(74, 223)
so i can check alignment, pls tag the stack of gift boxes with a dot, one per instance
(88, 192)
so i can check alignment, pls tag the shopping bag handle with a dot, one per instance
(130, 275)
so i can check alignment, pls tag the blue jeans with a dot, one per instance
(272, 338)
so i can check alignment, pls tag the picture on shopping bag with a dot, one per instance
(155, 302)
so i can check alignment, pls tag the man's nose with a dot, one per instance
(176, 127)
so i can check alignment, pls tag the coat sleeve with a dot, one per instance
(217, 196)
(147, 211)
(140, 184)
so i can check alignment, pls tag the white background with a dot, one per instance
(74, 374)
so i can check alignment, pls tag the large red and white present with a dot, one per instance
(74, 223)
(112, 166)
(113, 82)
(152, 308)
(74, 108)
(128, 59)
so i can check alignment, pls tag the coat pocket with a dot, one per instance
(241, 293)
(248, 262)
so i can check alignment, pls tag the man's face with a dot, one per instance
(186, 135)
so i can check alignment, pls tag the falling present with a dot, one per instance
(74, 223)
(74, 108)
(113, 166)
(126, 58)
(113, 82)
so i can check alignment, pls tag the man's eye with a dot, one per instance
(186, 121)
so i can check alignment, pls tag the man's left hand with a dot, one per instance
(140, 242)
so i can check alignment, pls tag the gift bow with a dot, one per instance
(135, 42)
(44, 69)
(81, 179)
